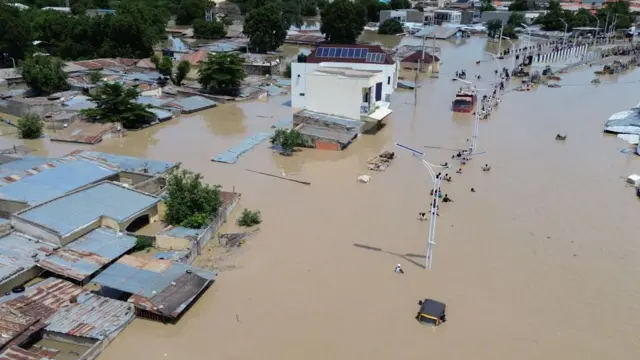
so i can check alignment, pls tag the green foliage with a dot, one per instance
(15, 32)
(30, 126)
(266, 28)
(487, 5)
(419, 8)
(373, 8)
(191, 10)
(493, 28)
(190, 202)
(515, 19)
(222, 73)
(343, 21)
(116, 103)
(44, 74)
(552, 20)
(95, 76)
(181, 72)
(213, 30)
(287, 71)
(142, 243)
(522, 5)
(400, 4)
(130, 33)
(309, 8)
(165, 67)
(249, 218)
(390, 27)
(322, 4)
(288, 140)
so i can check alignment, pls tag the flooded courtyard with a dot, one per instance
(538, 263)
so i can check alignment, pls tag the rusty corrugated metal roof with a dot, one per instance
(15, 325)
(17, 353)
(43, 300)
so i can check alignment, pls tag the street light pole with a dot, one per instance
(431, 238)
(595, 40)
(513, 46)
(564, 36)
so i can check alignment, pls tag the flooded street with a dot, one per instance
(539, 263)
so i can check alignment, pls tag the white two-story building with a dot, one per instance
(356, 57)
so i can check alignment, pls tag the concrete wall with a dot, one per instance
(300, 70)
(402, 15)
(152, 92)
(133, 178)
(153, 186)
(19, 279)
(172, 243)
(339, 95)
(20, 109)
(35, 230)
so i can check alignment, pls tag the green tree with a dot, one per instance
(622, 9)
(190, 202)
(287, 71)
(44, 74)
(222, 73)
(516, 18)
(493, 28)
(487, 5)
(30, 126)
(95, 76)
(212, 30)
(390, 27)
(419, 8)
(15, 32)
(166, 66)
(181, 72)
(116, 103)
(309, 8)
(287, 139)
(190, 10)
(400, 4)
(342, 22)
(322, 4)
(521, 5)
(553, 19)
(265, 28)
(249, 218)
(373, 8)
(143, 243)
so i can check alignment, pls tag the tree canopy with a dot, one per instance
(390, 27)
(210, 30)
(343, 21)
(266, 28)
(400, 4)
(373, 8)
(191, 10)
(30, 126)
(487, 5)
(523, 5)
(44, 74)
(190, 202)
(552, 20)
(130, 33)
(116, 103)
(222, 73)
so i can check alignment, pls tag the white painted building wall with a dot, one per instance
(155, 92)
(300, 70)
(337, 94)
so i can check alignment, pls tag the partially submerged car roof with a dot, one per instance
(432, 307)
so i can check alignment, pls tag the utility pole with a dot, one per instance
(415, 89)
(500, 41)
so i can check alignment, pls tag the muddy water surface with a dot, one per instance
(539, 263)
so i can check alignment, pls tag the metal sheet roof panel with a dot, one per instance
(18, 253)
(88, 254)
(70, 212)
(129, 163)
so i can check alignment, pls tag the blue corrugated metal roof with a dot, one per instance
(56, 181)
(88, 254)
(129, 163)
(193, 103)
(232, 155)
(181, 232)
(21, 167)
(127, 277)
(169, 255)
(81, 106)
(3, 221)
(80, 208)
(16, 254)
(149, 77)
(161, 114)
(150, 100)
(76, 100)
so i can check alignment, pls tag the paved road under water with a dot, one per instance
(539, 263)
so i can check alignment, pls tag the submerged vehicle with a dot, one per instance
(561, 137)
(431, 312)
(465, 100)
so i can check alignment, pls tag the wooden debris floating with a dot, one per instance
(381, 161)
(279, 177)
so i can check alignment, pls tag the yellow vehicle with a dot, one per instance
(431, 312)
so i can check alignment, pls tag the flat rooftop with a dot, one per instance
(128, 163)
(159, 286)
(72, 211)
(47, 180)
(85, 256)
(71, 310)
(19, 252)
(347, 72)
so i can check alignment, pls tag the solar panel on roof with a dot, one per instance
(350, 53)
(319, 52)
(332, 52)
(339, 52)
(364, 53)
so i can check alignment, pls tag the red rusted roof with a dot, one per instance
(16, 353)
(416, 55)
(15, 326)
(373, 49)
(43, 301)
(195, 58)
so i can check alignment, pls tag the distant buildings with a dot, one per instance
(453, 17)
(402, 15)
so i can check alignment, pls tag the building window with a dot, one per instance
(388, 80)
(301, 94)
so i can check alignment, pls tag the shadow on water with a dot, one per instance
(406, 256)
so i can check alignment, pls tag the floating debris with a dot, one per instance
(364, 179)
(280, 177)
(381, 161)
(231, 240)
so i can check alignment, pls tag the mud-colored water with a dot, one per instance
(539, 263)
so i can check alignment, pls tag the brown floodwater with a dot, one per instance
(539, 263)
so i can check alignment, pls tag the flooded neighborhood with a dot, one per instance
(337, 191)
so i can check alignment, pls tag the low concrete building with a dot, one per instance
(19, 257)
(453, 17)
(502, 16)
(402, 15)
(425, 63)
(327, 132)
(160, 290)
(106, 204)
(343, 91)
(87, 255)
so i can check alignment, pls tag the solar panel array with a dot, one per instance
(344, 53)
(376, 57)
